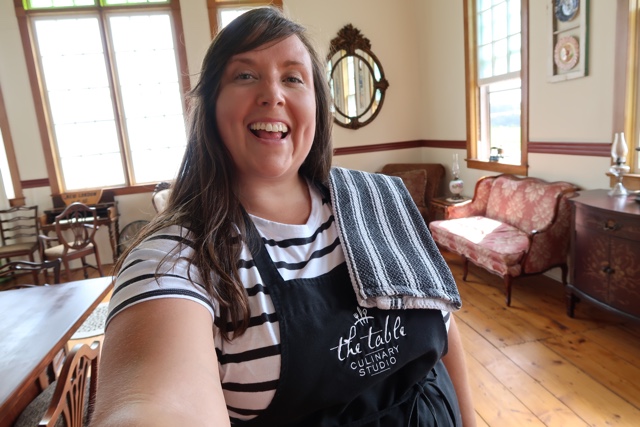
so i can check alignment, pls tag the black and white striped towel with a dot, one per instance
(392, 258)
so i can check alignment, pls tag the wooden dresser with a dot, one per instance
(605, 252)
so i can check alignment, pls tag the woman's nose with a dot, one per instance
(270, 93)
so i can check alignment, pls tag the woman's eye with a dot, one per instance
(244, 76)
(293, 79)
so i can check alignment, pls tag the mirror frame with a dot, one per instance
(350, 39)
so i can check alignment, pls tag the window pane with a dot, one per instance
(484, 28)
(226, 15)
(149, 85)
(499, 21)
(500, 58)
(514, 17)
(504, 114)
(515, 61)
(80, 102)
(485, 61)
(483, 5)
(95, 171)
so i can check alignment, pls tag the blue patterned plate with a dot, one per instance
(566, 10)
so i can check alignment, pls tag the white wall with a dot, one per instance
(420, 44)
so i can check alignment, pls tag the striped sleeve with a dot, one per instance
(140, 280)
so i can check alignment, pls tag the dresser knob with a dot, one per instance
(608, 270)
(610, 225)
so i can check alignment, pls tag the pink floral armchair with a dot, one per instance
(512, 227)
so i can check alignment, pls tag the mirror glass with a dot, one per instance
(356, 79)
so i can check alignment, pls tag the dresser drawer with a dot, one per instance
(612, 223)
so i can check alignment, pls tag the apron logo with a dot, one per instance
(368, 348)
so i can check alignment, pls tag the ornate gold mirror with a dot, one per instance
(356, 78)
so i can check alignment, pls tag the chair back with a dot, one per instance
(11, 268)
(160, 196)
(69, 398)
(80, 222)
(19, 225)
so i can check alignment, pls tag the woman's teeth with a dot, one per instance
(269, 127)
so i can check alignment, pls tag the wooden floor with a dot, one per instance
(532, 365)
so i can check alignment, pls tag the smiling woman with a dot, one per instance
(216, 298)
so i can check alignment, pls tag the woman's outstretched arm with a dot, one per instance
(159, 368)
(456, 365)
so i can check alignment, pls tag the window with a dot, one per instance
(497, 124)
(221, 12)
(8, 165)
(632, 93)
(111, 80)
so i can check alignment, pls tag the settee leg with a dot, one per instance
(507, 283)
(565, 272)
(465, 268)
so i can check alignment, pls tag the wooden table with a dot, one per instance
(439, 206)
(35, 324)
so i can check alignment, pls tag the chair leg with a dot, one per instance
(465, 269)
(84, 267)
(98, 263)
(507, 282)
(36, 280)
(565, 273)
(67, 269)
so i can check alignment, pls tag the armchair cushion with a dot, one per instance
(416, 183)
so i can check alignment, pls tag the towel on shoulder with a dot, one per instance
(392, 258)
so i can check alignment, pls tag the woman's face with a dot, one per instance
(266, 110)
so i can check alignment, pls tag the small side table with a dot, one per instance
(439, 205)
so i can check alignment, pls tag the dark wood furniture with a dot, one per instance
(36, 324)
(78, 243)
(439, 206)
(13, 268)
(19, 233)
(605, 253)
(72, 396)
(435, 174)
(106, 213)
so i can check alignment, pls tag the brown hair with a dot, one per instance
(202, 197)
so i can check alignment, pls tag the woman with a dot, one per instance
(248, 248)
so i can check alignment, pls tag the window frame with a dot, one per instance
(628, 41)
(18, 199)
(214, 5)
(474, 96)
(39, 96)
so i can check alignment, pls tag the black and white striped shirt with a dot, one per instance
(250, 365)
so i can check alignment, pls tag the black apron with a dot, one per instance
(344, 365)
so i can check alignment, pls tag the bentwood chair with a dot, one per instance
(70, 398)
(19, 234)
(75, 231)
(11, 269)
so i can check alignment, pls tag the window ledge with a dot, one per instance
(497, 167)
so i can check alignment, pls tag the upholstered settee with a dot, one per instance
(423, 180)
(512, 227)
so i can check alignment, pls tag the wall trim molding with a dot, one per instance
(35, 183)
(567, 148)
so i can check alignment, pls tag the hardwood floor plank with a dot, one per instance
(493, 401)
(584, 395)
(625, 345)
(620, 376)
(544, 405)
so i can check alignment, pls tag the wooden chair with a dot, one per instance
(71, 397)
(12, 268)
(19, 233)
(160, 196)
(75, 231)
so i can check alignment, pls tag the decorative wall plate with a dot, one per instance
(566, 53)
(566, 10)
